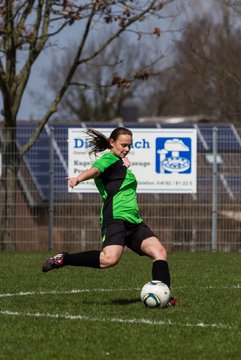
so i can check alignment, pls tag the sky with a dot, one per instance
(32, 107)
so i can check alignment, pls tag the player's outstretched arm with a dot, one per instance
(85, 175)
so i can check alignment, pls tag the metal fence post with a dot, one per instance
(214, 191)
(51, 189)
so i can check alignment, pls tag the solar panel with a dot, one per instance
(227, 139)
(37, 158)
(234, 182)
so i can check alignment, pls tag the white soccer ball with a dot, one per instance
(155, 294)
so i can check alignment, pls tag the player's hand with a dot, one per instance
(72, 181)
(126, 162)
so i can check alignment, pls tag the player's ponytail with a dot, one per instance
(99, 142)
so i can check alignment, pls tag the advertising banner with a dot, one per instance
(163, 160)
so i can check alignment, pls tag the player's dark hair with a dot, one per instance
(99, 142)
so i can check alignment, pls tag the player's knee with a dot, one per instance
(162, 254)
(107, 261)
(157, 253)
(154, 249)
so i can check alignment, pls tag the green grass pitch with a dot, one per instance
(80, 313)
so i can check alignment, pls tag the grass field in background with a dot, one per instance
(80, 313)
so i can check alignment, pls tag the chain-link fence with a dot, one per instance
(38, 213)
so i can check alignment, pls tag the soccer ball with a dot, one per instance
(155, 294)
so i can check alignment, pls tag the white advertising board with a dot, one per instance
(163, 160)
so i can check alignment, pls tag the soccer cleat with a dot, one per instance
(172, 302)
(55, 262)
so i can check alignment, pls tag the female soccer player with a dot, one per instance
(121, 224)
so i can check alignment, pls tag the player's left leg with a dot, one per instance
(153, 248)
(141, 239)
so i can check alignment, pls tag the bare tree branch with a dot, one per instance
(78, 61)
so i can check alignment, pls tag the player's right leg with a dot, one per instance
(108, 257)
(113, 237)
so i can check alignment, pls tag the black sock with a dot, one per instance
(87, 258)
(160, 271)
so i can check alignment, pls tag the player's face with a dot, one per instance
(121, 146)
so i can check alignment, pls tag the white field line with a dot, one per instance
(113, 320)
(116, 320)
(57, 292)
(78, 291)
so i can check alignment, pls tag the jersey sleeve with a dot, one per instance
(104, 162)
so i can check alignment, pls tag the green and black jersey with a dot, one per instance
(117, 186)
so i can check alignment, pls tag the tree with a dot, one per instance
(205, 76)
(91, 95)
(27, 28)
(210, 75)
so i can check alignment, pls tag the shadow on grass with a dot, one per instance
(112, 302)
(125, 301)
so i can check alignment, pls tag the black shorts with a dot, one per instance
(123, 233)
